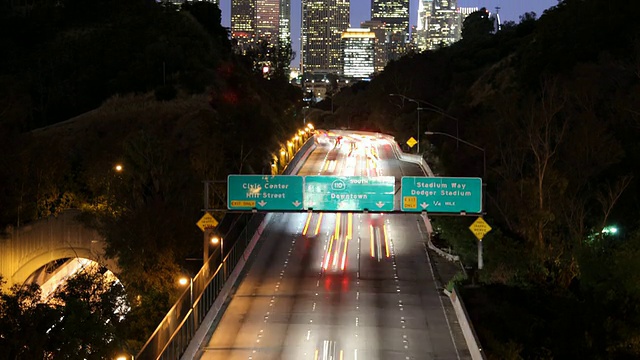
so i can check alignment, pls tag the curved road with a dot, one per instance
(340, 286)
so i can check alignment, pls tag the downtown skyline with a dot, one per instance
(360, 10)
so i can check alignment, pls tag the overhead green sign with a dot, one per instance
(264, 192)
(349, 193)
(441, 194)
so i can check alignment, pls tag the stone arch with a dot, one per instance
(58, 237)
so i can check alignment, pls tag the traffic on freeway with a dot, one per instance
(340, 285)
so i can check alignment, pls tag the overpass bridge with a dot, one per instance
(28, 248)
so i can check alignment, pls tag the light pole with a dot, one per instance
(484, 157)
(484, 173)
(418, 110)
(183, 281)
(433, 108)
(215, 240)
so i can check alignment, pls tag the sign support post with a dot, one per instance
(480, 228)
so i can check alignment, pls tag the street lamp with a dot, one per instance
(183, 281)
(484, 157)
(419, 108)
(433, 108)
(215, 240)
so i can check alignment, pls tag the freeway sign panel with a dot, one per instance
(349, 193)
(441, 194)
(264, 192)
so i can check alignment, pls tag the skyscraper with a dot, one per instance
(395, 15)
(323, 22)
(439, 24)
(243, 23)
(358, 53)
(284, 32)
(268, 20)
(380, 54)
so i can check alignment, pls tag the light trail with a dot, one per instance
(328, 254)
(318, 225)
(306, 225)
(386, 240)
(371, 239)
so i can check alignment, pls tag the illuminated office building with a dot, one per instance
(284, 23)
(268, 21)
(323, 22)
(358, 53)
(439, 23)
(380, 58)
(243, 14)
(395, 15)
(260, 20)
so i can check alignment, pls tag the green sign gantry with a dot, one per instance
(264, 192)
(441, 194)
(349, 193)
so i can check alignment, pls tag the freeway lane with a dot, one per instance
(339, 286)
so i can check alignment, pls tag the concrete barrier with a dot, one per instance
(467, 328)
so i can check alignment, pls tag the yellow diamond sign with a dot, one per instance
(480, 228)
(207, 222)
(411, 142)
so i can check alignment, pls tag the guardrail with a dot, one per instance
(176, 331)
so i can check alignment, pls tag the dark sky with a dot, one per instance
(360, 11)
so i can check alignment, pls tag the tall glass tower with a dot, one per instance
(268, 21)
(243, 14)
(323, 22)
(439, 23)
(261, 20)
(395, 15)
(358, 53)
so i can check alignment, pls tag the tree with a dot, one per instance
(477, 25)
(93, 306)
(82, 319)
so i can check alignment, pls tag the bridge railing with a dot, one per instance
(177, 329)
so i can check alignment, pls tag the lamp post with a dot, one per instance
(418, 110)
(433, 108)
(183, 281)
(484, 173)
(215, 240)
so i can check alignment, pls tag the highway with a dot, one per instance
(339, 285)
